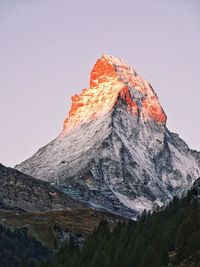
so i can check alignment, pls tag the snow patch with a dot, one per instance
(139, 204)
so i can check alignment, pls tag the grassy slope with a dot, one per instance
(40, 224)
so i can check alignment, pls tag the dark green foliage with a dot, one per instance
(162, 239)
(18, 250)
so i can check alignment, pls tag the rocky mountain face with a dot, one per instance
(115, 152)
(21, 192)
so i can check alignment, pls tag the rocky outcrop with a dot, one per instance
(115, 152)
(196, 191)
(21, 192)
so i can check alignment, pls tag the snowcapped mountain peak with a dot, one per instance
(108, 68)
(115, 152)
(111, 80)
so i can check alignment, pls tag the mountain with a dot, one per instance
(20, 192)
(115, 152)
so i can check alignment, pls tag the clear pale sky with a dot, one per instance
(48, 47)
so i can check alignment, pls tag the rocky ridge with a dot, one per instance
(20, 192)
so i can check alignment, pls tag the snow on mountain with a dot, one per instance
(115, 151)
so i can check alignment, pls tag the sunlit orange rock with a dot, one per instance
(110, 79)
(102, 71)
(126, 96)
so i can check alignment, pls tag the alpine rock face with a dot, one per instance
(115, 152)
(20, 192)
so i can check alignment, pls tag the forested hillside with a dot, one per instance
(166, 238)
(18, 250)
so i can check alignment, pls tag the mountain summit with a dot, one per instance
(110, 80)
(115, 152)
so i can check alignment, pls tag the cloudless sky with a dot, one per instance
(48, 47)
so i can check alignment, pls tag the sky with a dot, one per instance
(48, 48)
